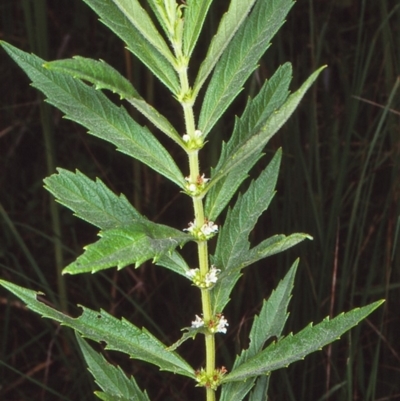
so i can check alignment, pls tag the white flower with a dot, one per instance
(209, 228)
(186, 138)
(192, 227)
(211, 276)
(221, 327)
(192, 273)
(199, 322)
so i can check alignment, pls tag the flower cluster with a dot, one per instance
(216, 325)
(195, 142)
(197, 187)
(205, 232)
(204, 282)
(210, 381)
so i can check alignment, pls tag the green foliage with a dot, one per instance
(89, 107)
(119, 335)
(113, 17)
(128, 238)
(296, 347)
(241, 57)
(110, 379)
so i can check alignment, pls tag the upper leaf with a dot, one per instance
(112, 16)
(91, 200)
(233, 237)
(139, 19)
(240, 149)
(269, 323)
(175, 262)
(92, 109)
(103, 76)
(240, 59)
(295, 347)
(271, 96)
(195, 14)
(109, 378)
(131, 244)
(119, 335)
(229, 24)
(233, 245)
(270, 246)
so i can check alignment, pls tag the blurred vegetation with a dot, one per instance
(340, 182)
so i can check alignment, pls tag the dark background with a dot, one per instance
(339, 182)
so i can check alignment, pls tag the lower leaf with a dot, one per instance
(119, 335)
(295, 347)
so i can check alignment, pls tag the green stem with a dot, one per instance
(186, 101)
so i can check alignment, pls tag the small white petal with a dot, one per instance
(221, 328)
(199, 322)
(192, 273)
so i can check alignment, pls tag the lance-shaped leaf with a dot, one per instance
(93, 110)
(94, 202)
(295, 347)
(229, 24)
(111, 379)
(139, 19)
(103, 76)
(269, 323)
(233, 245)
(233, 241)
(260, 392)
(158, 9)
(271, 96)
(119, 335)
(271, 246)
(251, 145)
(115, 19)
(195, 14)
(131, 244)
(91, 200)
(174, 262)
(240, 59)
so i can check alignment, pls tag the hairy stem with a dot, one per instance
(199, 221)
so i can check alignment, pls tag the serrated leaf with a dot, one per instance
(158, 9)
(111, 16)
(189, 333)
(221, 193)
(111, 379)
(99, 73)
(269, 323)
(270, 246)
(271, 96)
(233, 245)
(139, 19)
(240, 59)
(175, 262)
(119, 335)
(252, 145)
(131, 244)
(194, 16)
(93, 110)
(233, 237)
(91, 200)
(103, 76)
(260, 392)
(295, 347)
(229, 24)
